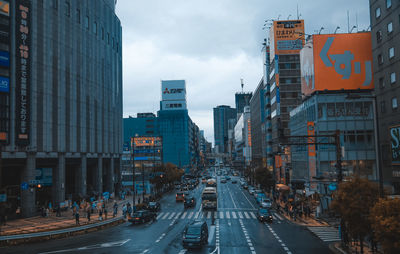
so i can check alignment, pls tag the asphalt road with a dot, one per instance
(236, 230)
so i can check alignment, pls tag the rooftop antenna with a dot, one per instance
(352, 28)
(279, 16)
(337, 28)
(241, 83)
(320, 30)
(348, 22)
(289, 16)
(356, 21)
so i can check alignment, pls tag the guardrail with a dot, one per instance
(58, 232)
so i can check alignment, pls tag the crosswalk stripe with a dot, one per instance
(240, 215)
(326, 234)
(184, 215)
(190, 215)
(159, 216)
(208, 215)
(253, 215)
(246, 215)
(215, 215)
(234, 215)
(228, 216)
(171, 216)
(165, 216)
(177, 215)
(200, 216)
(279, 217)
(197, 215)
(221, 215)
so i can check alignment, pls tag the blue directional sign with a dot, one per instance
(332, 186)
(24, 186)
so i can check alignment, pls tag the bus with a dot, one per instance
(209, 198)
(211, 183)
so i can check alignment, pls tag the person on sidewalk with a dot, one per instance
(105, 213)
(124, 209)
(100, 215)
(77, 218)
(115, 208)
(88, 212)
(58, 211)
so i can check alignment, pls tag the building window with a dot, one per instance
(108, 38)
(102, 33)
(87, 22)
(394, 103)
(380, 59)
(377, 12)
(382, 83)
(78, 15)
(393, 78)
(379, 36)
(383, 107)
(95, 27)
(67, 9)
(55, 4)
(388, 4)
(390, 27)
(391, 52)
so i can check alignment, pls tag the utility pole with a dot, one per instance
(338, 157)
(133, 170)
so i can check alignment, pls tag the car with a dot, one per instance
(234, 181)
(266, 203)
(142, 216)
(251, 190)
(264, 215)
(189, 202)
(228, 178)
(177, 186)
(245, 186)
(256, 192)
(154, 206)
(180, 196)
(223, 180)
(195, 234)
(260, 197)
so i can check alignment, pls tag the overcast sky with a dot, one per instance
(211, 44)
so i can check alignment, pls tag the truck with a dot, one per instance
(209, 198)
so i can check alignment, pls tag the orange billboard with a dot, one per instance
(336, 62)
(287, 37)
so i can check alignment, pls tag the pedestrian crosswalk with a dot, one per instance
(235, 215)
(326, 234)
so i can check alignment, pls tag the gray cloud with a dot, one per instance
(211, 44)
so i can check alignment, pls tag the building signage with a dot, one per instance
(4, 58)
(287, 37)
(395, 144)
(44, 176)
(146, 141)
(22, 63)
(173, 90)
(5, 8)
(336, 62)
(312, 161)
(4, 84)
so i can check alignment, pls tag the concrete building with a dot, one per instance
(242, 99)
(64, 101)
(385, 30)
(243, 141)
(222, 114)
(323, 113)
(257, 116)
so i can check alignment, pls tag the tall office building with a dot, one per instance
(61, 100)
(385, 29)
(286, 41)
(242, 99)
(257, 117)
(222, 114)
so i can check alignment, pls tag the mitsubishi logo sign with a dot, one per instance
(173, 90)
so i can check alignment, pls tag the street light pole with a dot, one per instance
(133, 170)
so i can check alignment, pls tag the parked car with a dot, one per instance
(223, 180)
(154, 206)
(189, 202)
(251, 190)
(256, 192)
(245, 186)
(195, 234)
(264, 215)
(234, 181)
(260, 197)
(142, 216)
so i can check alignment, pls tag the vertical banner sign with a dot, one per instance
(395, 142)
(23, 43)
(312, 162)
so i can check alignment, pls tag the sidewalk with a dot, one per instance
(302, 221)
(50, 223)
(337, 248)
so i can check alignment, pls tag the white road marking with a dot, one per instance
(90, 247)
(234, 215)
(165, 216)
(233, 201)
(191, 215)
(208, 215)
(240, 215)
(228, 216)
(248, 200)
(159, 216)
(221, 215)
(177, 215)
(252, 215)
(246, 215)
(171, 216)
(184, 215)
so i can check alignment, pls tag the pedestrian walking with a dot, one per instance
(115, 209)
(88, 212)
(58, 211)
(46, 213)
(77, 218)
(100, 215)
(105, 213)
(124, 209)
(129, 209)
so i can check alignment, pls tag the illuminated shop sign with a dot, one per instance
(4, 84)
(4, 58)
(5, 8)
(395, 144)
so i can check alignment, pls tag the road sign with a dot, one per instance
(24, 186)
(332, 186)
(3, 197)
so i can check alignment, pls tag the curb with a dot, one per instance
(335, 249)
(11, 240)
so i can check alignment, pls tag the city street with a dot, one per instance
(236, 230)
